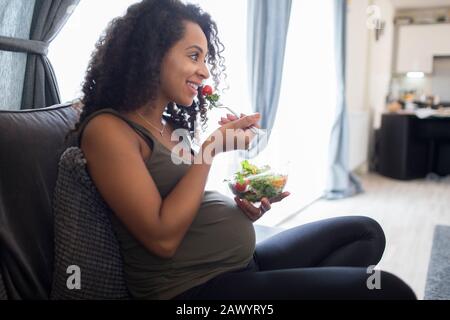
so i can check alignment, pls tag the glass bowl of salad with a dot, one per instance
(254, 183)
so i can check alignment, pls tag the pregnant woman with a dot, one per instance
(177, 240)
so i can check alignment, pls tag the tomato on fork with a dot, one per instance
(207, 91)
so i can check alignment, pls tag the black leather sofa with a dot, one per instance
(31, 142)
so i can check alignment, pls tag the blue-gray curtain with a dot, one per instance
(40, 88)
(341, 182)
(40, 85)
(268, 22)
(12, 64)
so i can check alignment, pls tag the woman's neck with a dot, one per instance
(153, 111)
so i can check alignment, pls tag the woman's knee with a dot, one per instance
(373, 231)
(391, 287)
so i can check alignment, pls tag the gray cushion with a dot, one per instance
(84, 236)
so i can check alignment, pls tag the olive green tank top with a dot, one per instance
(220, 239)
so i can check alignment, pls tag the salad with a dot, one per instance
(254, 183)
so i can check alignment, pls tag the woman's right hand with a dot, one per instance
(233, 134)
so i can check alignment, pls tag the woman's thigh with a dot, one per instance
(352, 241)
(307, 283)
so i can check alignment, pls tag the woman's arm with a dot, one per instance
(115, 163)
(181, 205)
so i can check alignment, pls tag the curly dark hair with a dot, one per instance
(124, 70)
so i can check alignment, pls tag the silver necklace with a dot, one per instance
(161, 132)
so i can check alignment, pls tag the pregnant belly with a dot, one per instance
(221, 232)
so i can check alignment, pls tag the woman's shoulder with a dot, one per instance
(107, 125)
(106, 131)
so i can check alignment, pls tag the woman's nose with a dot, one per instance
(204, 72)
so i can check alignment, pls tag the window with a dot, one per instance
(306, 107)
(71, 50)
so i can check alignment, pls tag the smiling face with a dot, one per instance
(184, 67)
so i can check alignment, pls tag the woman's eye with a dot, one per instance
(194, 57)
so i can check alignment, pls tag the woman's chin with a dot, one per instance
(185, 102)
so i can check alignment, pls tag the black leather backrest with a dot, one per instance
(31, 142)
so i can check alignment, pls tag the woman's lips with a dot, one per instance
(192, 90)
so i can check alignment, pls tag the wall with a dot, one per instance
(369, 66)
(369, 62)
(359, 129)
(357, 50)
(381, 62)
(356, 78)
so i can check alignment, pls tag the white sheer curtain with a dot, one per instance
(71, 50)
(306, 107)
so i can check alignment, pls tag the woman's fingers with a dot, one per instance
(243, 208)
(247, 121)
(265, 204)
(232, 117)
(279, 197)
(223, 121)
(229, 118)
(242, 135)
(250, 208)
(254, 213)
(251, 211)
(255, 125)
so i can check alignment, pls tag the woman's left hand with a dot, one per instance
(254, 213)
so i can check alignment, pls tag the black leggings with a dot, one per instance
(327, 259)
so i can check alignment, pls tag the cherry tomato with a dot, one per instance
(240, 187)
(207, 90)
